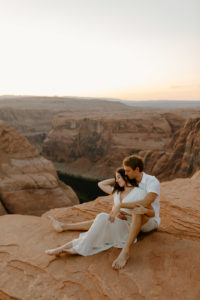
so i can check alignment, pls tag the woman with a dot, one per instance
(105, 231)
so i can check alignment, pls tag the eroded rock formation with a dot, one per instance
(94, 145)
(181, 157)
(32, 116)
(163, 264)
(91, 137)
(28, 182)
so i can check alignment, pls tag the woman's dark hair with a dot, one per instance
(116, 186)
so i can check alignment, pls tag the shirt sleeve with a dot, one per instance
(153, 186)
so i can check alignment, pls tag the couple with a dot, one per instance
(135, 208)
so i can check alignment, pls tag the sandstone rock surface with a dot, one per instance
(28, 182)
(163, 265)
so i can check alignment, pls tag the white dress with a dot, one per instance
(104, 234)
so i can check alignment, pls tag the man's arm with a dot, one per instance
(148, 199)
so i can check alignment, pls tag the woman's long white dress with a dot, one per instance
(104, 234)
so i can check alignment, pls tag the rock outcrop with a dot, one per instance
(28, 182)
(163, 264)
(181, 157)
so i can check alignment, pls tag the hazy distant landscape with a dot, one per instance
(89, 137)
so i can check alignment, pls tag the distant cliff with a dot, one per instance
(91, 137)
(95, 145)
(32, 116)
(181, 157)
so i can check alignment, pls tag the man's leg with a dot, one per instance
(135, 226)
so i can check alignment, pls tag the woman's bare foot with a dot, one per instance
(56, 224)
(121, 260)
(58, 251)
(55, 252)
(70, 251)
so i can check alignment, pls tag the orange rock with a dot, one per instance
(180, 207)
(28, 182)
(2, 210)
(163, 264)
(181, 157)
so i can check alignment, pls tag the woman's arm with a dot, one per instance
(114, 215)
(107, 185)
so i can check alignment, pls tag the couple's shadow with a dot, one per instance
(142, 234)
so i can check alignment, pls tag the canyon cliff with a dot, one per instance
(28, 182)
(32, 116)
(90, 137)
(95, 145)
(164, 264)
(181, 156)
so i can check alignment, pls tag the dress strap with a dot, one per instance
(116, 198)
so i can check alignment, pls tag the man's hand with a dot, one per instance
(140, 210)
(115, 211)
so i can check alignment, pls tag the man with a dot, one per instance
(134, 166)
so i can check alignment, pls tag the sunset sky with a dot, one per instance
(127, 49)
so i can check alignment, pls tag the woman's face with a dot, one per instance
(120, 180)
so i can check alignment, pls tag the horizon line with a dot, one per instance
(92, 97)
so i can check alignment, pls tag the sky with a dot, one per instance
(125, 49)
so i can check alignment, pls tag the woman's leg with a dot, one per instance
(64, 248)
(60, 227)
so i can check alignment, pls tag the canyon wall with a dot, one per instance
(91, 137)
(94, 146)
(32, 116)
(181, 156)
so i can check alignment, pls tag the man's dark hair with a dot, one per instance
(134, 161)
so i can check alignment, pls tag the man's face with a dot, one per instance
(132, 174)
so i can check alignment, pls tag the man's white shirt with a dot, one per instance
(151, 185)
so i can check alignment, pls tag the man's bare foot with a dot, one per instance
(56, 224)
(121, 260)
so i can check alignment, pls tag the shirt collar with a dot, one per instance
(143, 178)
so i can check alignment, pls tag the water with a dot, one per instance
(85, 188)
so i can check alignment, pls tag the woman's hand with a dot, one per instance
(121, 216)
(115, 211)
